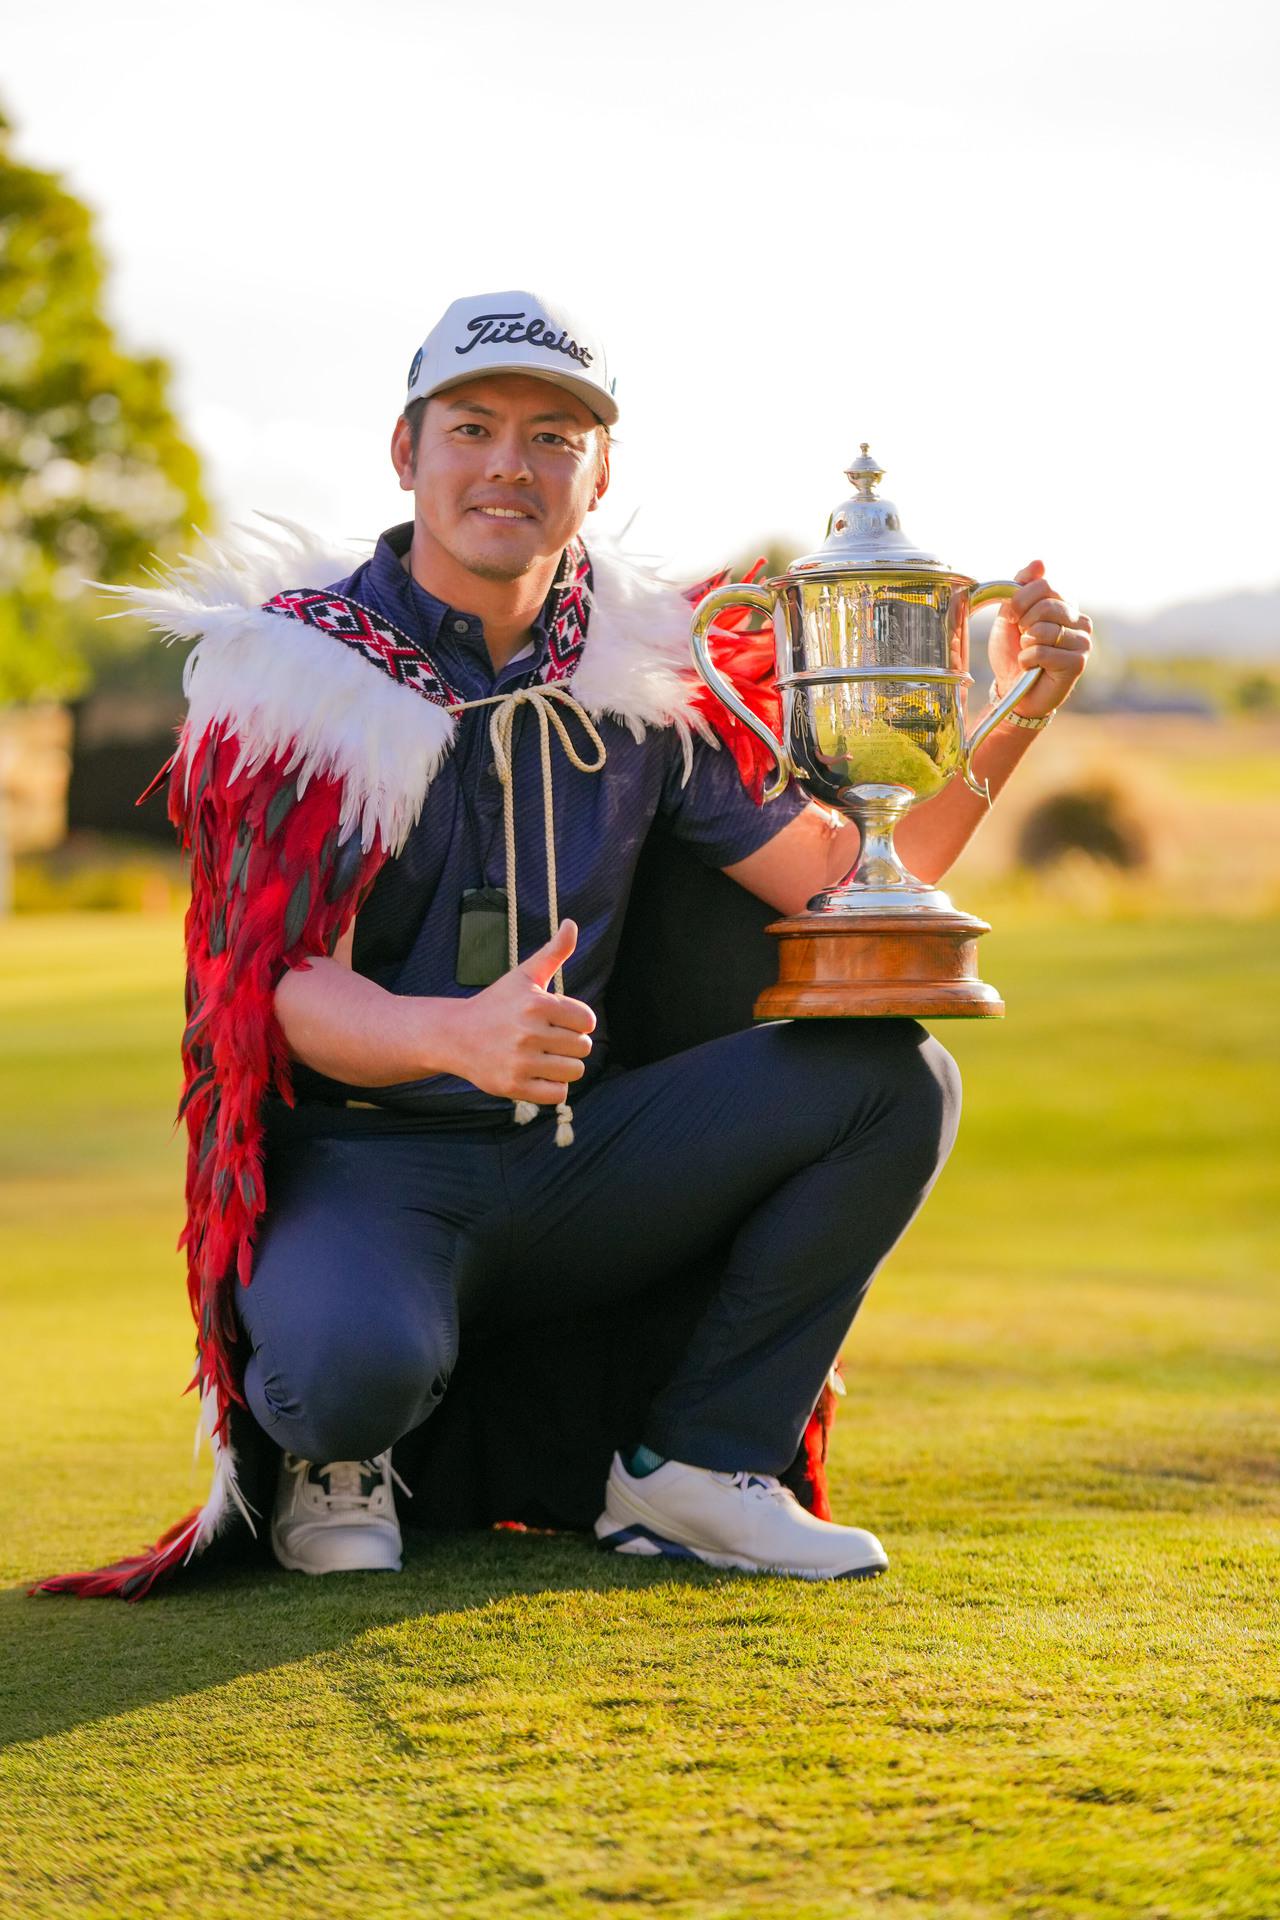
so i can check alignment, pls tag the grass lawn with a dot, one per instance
(1063, 1700)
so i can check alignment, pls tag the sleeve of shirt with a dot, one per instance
(713, 813)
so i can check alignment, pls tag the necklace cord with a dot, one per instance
(550, 704)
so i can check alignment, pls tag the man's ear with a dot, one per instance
(602, 478)
(402, 454)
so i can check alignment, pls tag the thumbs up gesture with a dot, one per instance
(522, 1042)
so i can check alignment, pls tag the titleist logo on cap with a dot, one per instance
(501, 329)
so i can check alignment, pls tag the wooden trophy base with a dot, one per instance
(918, 965)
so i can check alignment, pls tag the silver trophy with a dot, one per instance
(872, 649)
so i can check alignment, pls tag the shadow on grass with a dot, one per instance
(68, 1662)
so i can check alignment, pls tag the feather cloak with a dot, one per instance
(303, 763)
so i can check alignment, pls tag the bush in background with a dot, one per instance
(1098, 818)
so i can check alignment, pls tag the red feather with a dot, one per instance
(265, 861)
(813, 1448)
(272, 885)
(747, 661)
(134, 1577)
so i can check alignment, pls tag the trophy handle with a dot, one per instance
(982, 596)
(708, 607)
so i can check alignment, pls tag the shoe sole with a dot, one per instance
(338, 1564)
(296, 1566)
(643, 1541)
(355, 1566)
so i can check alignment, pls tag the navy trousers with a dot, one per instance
(804, 1147)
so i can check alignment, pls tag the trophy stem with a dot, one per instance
(877, 810)
(879, 883)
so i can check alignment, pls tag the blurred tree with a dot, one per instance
(95, 476)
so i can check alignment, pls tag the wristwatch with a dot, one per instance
(1018, 719)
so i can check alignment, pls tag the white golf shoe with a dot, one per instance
(745, 1520)
(339, 1517)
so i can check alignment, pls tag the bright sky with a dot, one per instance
(1027, 249)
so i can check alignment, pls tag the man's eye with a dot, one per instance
(556, 439)
(471, 428)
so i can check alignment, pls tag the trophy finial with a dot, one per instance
(865, 474)
(865, 532)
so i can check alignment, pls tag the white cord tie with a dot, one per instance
(546, 703)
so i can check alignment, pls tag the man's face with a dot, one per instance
(508, 468)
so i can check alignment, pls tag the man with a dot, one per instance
(451, 872)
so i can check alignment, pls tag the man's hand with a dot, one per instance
(1036, 628)
(521, 1042)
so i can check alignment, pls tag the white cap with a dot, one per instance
(514, 333)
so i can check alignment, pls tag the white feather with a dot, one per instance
(636, 666)
(286, 688)
(224, 1494)
(218, 576)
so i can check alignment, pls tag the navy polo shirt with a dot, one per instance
(406, 935)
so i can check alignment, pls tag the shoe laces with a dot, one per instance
(759, 1486)
(343, 1482)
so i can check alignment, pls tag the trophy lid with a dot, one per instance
(866, 532)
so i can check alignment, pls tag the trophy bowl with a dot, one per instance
(871, 638)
